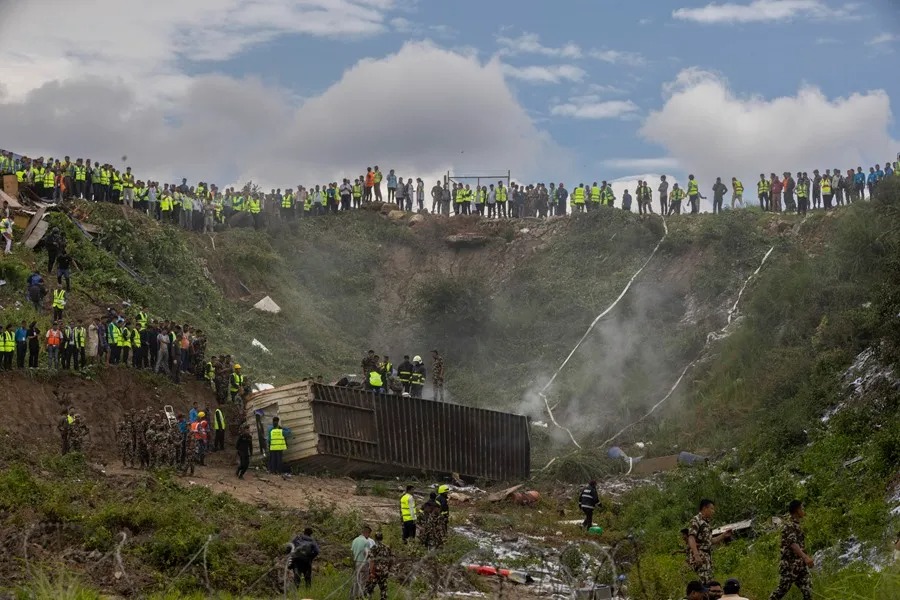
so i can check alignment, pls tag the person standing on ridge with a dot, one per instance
(719, 191)
(693, 193)
(663, 190)
(762, 191)
(437, 376)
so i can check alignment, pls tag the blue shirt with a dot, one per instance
(879, 174)
(192, 415)
(888, 171)
(873, 177)
(21, 334)
(392, 181)
(859, 178)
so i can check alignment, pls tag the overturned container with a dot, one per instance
(351, 431)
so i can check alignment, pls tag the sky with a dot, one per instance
(288, 92)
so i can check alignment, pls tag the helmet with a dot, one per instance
(201, 414)
(237, 366)
(443, 488)
(417, 358)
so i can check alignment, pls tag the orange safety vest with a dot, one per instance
(370, 179)
(195, 430)
(54, 338)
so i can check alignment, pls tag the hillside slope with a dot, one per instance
(764, 358)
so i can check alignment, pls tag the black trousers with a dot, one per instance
(219, 440)
(302, 570)
(21, 348)
(33, 354)
(244, 464)
(717, 205)
(802, 205)
(416, 390)
(275, 464)
(588, 517)
(826, 201)
(409, 530)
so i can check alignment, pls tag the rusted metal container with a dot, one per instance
(352, 431)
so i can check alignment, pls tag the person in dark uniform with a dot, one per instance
(588, 501)
(244, 449)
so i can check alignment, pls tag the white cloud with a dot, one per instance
(402, 24)
(545, 74)
(226, 130)
(578, 108)
(618, 57)
(529, 43)
(760, 11)
(146, 47)
(712, 131)
(660, 164)
(883, 38)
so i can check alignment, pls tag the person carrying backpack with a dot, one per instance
(303, 550)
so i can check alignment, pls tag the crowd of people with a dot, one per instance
(408, 378)
(205, 207)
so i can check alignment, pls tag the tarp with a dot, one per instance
(267, 305)
(256, 343)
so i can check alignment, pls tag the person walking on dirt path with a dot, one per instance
(244, 447)
(701, 540)
(381, 559)
(795, 563)
(588, 501)
(359, 548)
(408, 514)
(277, 439)
(437, 375)
(59, 303)
(303, 550)
(218, 430)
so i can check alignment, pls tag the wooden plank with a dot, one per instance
(37, 233)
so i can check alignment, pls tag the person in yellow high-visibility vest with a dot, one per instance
(277, 445)
(218, 430)
(578, 195)
(408, 514)
(737, 192)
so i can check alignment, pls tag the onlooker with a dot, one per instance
(732, 590)
(304, 550)
(359, 548)
(34, 345)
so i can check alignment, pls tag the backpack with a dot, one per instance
(304, 551)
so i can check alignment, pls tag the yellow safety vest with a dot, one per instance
(738, 187)
(595, 194)
(407, 508)
(501, 194)
(375, 379)
(578, 195)
(59, 299)
(237, 380)
(693, 188)
(276, 440)
(826, 185)
(763, 186)
(219, 421)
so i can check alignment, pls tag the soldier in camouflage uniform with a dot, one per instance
(430, 524)
(223, 371)
(381, 559)
(795, 563)
(700, 541)
(140, 439)
(124, 441)
(78, 434)
(437, 376)
(191, 447)
(156, 440)
(174, 444)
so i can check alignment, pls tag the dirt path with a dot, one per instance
(262, 489)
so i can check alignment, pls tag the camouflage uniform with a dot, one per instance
(383, 559)
(191, 448)
(124, 442)
(700, 528)
(430, 525)
(437, 378)
(223, 370)
(134, 432)
(792, 569)
(78, 433)
(174, 445)
(140, 440)
(64, 432)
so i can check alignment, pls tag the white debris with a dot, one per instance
(539, 424)
(256, 343)
(259, 387)
(267, 305)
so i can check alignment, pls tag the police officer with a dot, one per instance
(405, 374)
(588, 501)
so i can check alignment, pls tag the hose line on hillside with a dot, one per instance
(711, 336)
(590, 328)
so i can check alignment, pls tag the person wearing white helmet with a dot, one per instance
(417, 381)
